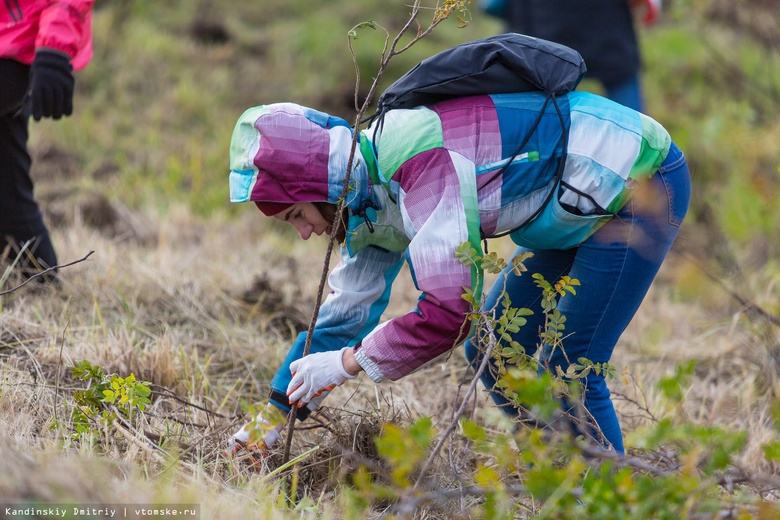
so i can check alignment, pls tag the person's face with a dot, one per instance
(306, 219)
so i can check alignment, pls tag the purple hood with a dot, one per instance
(283, 153)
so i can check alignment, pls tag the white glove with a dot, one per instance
(315, 374)
(270, 436)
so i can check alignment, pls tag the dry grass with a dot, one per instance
(206, 309)
(203, 310)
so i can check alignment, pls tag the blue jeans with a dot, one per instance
(627, 93)
(615, 267)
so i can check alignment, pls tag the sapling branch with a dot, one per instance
(441, 14)
(454, 423)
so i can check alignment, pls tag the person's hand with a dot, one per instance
(315, 374)
(51, 85)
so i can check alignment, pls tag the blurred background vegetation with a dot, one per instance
(190, 293)
(155, 108)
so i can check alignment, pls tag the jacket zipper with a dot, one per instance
(15, 12)
(523, 157)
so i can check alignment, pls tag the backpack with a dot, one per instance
(501, 64)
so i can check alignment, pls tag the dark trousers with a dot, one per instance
(21, 221)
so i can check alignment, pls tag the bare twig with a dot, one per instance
(50, 269)
(169, 393)
(635, 401)
(461, 409)
(441, 14)
(59, 366)
(129, 432)
(620, 461)
(409, 504)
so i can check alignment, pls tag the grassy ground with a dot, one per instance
(201, 299)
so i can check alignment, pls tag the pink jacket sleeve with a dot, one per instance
(439, 206)
(66, 26)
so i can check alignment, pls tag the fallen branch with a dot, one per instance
(169, 393)
(50, 269)
(408, 505)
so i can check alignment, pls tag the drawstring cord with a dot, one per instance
(14, 10)
(361, 212)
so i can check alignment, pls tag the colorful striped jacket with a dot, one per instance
(423, 182)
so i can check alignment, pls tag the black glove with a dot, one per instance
(51, 85)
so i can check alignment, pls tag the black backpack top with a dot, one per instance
(500, 64)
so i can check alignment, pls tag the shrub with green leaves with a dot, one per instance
(107, 397)
(677, 469)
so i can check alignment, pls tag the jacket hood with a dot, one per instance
(283, 153)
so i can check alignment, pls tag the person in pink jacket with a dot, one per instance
(41, 43)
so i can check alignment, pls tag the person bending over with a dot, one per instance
(426, 180)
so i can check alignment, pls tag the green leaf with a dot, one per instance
(487, 477)
(493, 264)
(518, 262)
(422, 431)
(771, 450)
(466, 254)
(512, 327)
(673, 387)
(370, 24)
(473, 431)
